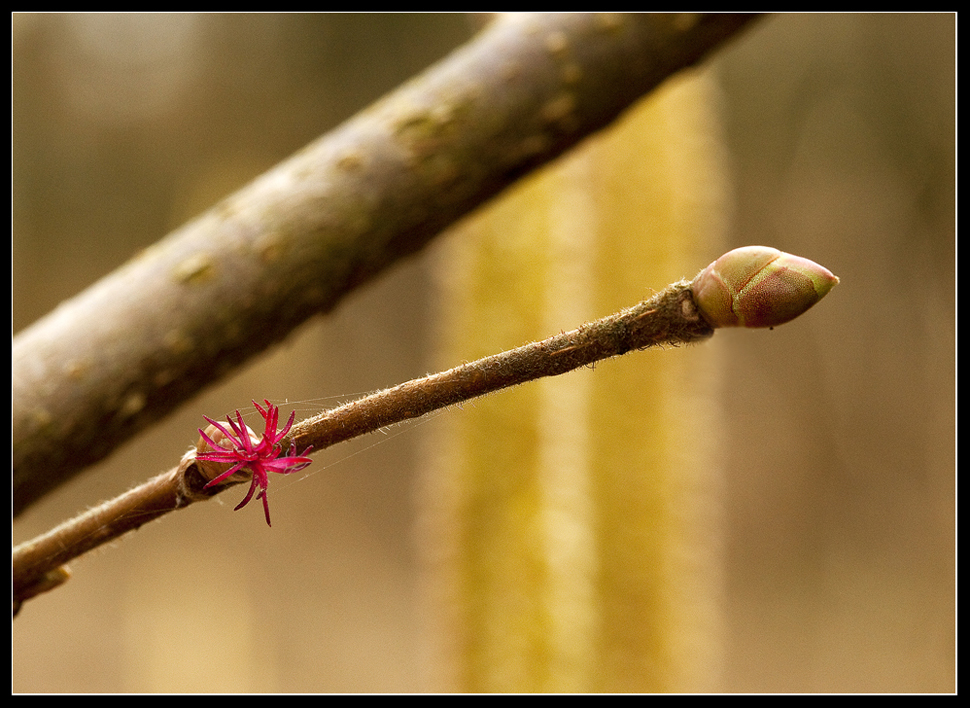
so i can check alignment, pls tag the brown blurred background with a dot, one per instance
(838, 577)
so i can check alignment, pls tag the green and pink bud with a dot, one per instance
(758, 286)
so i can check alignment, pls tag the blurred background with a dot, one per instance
(838, 575)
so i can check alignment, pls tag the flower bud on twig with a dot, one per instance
(241, 449)
(211, 469)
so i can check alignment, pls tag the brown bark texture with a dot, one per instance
(238, 279)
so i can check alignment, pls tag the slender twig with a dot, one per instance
(38, 564)
(669, 317)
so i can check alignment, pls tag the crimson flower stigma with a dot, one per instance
(239, 450)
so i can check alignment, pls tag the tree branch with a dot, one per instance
(681, 313)
(242, 276)
(38, 564)
(669, 317)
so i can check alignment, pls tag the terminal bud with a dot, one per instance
(758, 286)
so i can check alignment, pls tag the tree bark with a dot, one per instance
(240, 278)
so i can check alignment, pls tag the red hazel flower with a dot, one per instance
(238, 449)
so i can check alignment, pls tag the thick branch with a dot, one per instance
(239, 278)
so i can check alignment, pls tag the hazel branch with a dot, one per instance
(39, 564)
(670, 317)
(754, 286)
(239, 278)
